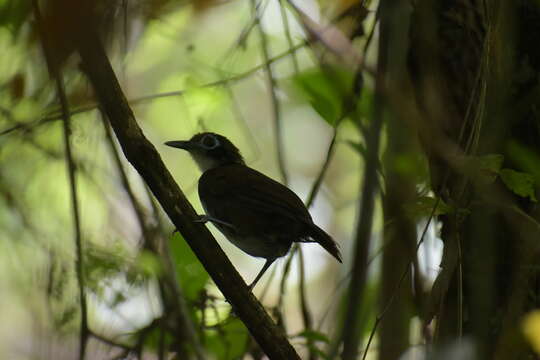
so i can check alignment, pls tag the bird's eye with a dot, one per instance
(209, 142)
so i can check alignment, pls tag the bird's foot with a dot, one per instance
(202, 219)
(251, 286)
(206, 218)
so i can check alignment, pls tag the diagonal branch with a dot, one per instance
(170, 291)
(146, 160)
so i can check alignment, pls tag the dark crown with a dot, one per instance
(218, 147)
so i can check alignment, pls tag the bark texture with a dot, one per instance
(475, 67)
(146, 160)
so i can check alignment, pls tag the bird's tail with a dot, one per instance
(321, 237)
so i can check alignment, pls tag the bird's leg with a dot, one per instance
(261, 273)
(206, 218)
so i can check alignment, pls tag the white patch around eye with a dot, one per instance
(210, 142)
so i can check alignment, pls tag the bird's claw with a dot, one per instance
(206, 218)
(202, 219)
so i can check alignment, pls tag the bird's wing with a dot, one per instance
(250, 190)
(255, 204)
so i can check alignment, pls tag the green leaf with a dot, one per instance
(313, 335)
(423, 207)
(318, 352)
(154, 337)
(520, 183)
(490, 162)
(325, 88)
(14, 13)
(228, 340)
(149, 264)
(484, 168)
(190, 271)
(409, 164)
(360, 148)
(526, 158)
(101, 263)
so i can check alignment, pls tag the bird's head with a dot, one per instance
(210, 150)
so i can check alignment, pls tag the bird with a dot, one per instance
(259, 215)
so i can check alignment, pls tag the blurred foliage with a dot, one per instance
(526, 159)
(315, 342)
(13, 14)
(426, 206)
(357, 146)
(185, 67)
(520, 183)
(227, 341)
(326, 89)
(190, 271)
(483, 168)
(531, 329)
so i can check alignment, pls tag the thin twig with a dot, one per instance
(268, 283)
(161, 343)
(381, 315)
(287, 30)
(277, 122)
(370, 38)
(286, 271)
(240, 119)
(244, 34)
(343, 281)
(322, 172)
(283, 282)
(53, 116)
(348, 107)
(61, 93)
(350, 330)
(137, 209)
(307, 318)
(306, 313)
(151, 240)
(109, 342)
(460, 290)
(276, 107)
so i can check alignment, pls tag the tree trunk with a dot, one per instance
(475, 70)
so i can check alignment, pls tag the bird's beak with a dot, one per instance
(186, 145)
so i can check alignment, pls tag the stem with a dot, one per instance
(55, 73)
(276, 108)
(144, 157)
(185, 330)
(351, 327)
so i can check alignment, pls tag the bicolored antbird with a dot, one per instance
(257, 214)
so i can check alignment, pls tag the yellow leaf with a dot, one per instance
(531, 329)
